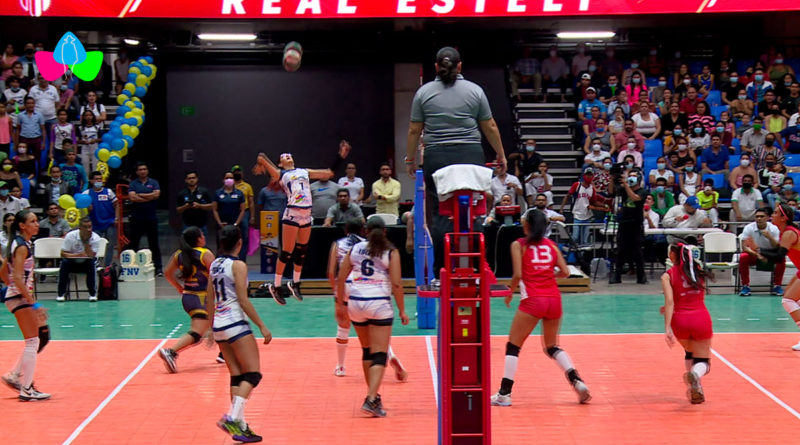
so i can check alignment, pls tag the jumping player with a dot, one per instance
(352, 229)
(783, 217)
(373, 269)
(232, 331)
(296, 221)
(194, 262)
(686, 317)
(534, 259)
(17, 272)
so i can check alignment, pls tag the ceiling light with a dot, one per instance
(132, 42)
(241, 37)
(586, 34)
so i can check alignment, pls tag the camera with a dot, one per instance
(616, 173)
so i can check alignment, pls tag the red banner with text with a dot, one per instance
(252, 9)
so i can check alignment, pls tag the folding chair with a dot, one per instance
(99, 261)
(721, 243)
(45, 249)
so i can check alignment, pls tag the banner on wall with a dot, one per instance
(251, 9)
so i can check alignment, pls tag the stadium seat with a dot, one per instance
(648, 164)
(714, 98)
(719, 180)
(652, 82)
(791, 160)
(26, 188)
(734, 161)
(794, 63)
(736, 143)
(696, 67)
(742, 65)
(653, 148)
(796, 178)
(716, 110)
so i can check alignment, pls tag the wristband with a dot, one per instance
(36, 305)
(408, 161)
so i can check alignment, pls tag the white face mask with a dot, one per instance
(596, 147)
(682, 147)
(687, 81)
(745, 162)
(631, 145)
(707, 188)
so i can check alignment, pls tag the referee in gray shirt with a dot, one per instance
(453, 112)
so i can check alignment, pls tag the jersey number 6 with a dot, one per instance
(367, 268)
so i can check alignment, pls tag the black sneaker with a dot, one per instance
(373, 407)
(159, 273)
(276, 294)
(220, 358)
(169, 356)
(247, 436)
(294, 290)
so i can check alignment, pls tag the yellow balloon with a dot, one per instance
(130, 104)
(141, 80)
(134, 70)
(125, 146)
(136, 99)
(102, 167)
(130, 88)
(129, 115)
(134, 132)
(139, 120)
(121, 99)
(73, 216)
(153, 73)
(124, 128)
(84, 212)
(137, 111)
(143, 61)
(122, 153)
(103, 154)
(66, 201)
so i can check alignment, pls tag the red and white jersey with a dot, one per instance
(686, 297)
(538, 274)
(583, 196)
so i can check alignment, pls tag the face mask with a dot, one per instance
(237, 176)
(759, 77)
(581, 51)
(63, 88)
(653, 52)
(756, 126)
(687, 81)
(747, 186)
(660, 189)
(769, 142)
(770, 164)
(698, 130)
(600, 129)
(22, 150)
(787, 187)
(610, 53)
(28, 52)
(39, 48)
(778, 61)
(607, 166)
(632, 180)
(3, 192)
(631, 145)
(743, 97)
(734, 79)
(228, 182)
(707, 189)
(629, 165)
(677, 132)
(15, 89)
(723, 69)
(689, 168)
(682, 147)
(592, 68)
(788, 84)
(596, 147)
(530, 148)
(636, 80)
(661, 166)
(634, 65)
(98, 185)
(612, 85)
(745, 162)
(552, 53)
(662, 83)
(8, 167)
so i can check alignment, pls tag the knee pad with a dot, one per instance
(365, 355)
(702, 360)
(790, 305)
(379, 359)
(342, 334)
(195, 337)
(688, 356)
(512, 349)
(235, 380)
(44, 337)
(252, 378)
(299, 254)
(285, 257)
(552, 351)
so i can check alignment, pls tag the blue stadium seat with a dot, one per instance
(733, 161)
(791, 160)
(796, 178)
(742, 65)
(716, 110)
(714, 98)
(26, 188)
(653, 148)
(648, 164)
(719, 180)
(696, 66)
(652, 82)
(794, 63)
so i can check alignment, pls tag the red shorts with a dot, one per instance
(548, 308)
(692, 325)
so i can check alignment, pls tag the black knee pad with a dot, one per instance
(379, 359)
(702, 360)
(44, 337)
(688, 356)
(512, 349)
(552, 351)
(252, 378)
(299, 254)
(365, 355)
(235, 380)
(195, 336)
(285, 257)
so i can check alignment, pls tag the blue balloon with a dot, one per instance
(148, 59)
(122, 109)
(96, 151)
(107, 138)
(116, 133)
(146, 70)
(129, 140)
(105, 145)
(132, 78)
(140, 92)
(138, 104)
(114, 161)
(137, 64)
(117, 144)
(82, 201)
(115, 124)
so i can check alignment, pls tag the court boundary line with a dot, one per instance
(757, 385)
(434, 369)
(119, 387)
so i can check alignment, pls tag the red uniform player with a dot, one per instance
(783, 217)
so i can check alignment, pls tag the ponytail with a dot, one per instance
(448, 59)
(537, 225)
(186, 261)
(377, 243)
(13, 232)
(694, 272)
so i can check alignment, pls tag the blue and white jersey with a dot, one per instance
(227, 309)
(297, 187)
(370, 276)
(343, 246)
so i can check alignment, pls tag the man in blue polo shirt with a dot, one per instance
(585, 107)
(103, 212)
(715, 158)
(144, 193)
(30, 128)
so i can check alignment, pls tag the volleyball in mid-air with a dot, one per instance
(292, 56)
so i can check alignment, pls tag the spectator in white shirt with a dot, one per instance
(541, 203)
(17, 193)
(97, 109)
(746, 200)
(79, 255)
(755, 236)
(629, 149)
(688, 215)
(8, 203)
(503, 183)
(353, 184)
(539, 182)
(46, 97)
(595, 158)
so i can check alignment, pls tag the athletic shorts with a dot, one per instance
(232, 332)
(375, 311)
(295, 216)
(546, 308)
(195, 305)
(16, 303)
(692, 325)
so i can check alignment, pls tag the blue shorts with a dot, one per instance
(195, 305)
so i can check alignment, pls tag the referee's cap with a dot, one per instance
(449, 53)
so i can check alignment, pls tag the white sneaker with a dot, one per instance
(583, 392)
(61, 298)
(92, 297)
(796, 347)
(30, 394)
(501, 400)
(339, 371)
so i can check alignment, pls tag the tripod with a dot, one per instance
(606, 223)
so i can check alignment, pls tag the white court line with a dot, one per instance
(119, 387)
(432, 365)
(756, 384)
